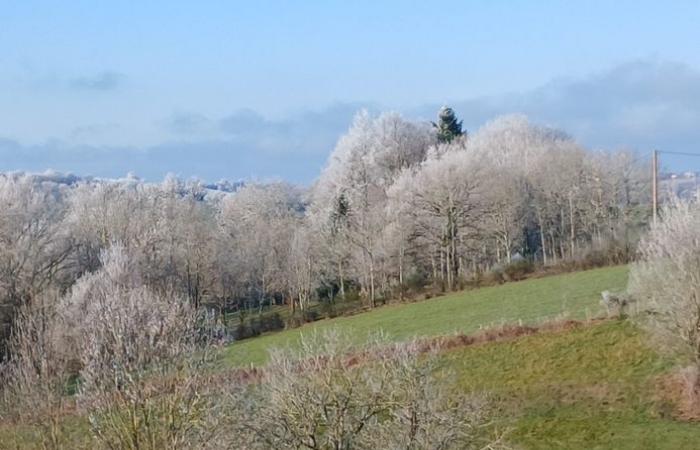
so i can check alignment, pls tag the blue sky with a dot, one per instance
(263, 89)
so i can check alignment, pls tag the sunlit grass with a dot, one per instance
(573, 295)
(591, 388)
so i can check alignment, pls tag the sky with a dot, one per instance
(262, 90)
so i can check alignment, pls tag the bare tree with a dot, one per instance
(446, 199)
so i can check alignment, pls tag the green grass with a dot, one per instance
(591, 388)
(75, 435)
(574, 295)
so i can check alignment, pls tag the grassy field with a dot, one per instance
(574, 295)
(591, 388)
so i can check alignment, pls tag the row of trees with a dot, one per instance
(400, 203)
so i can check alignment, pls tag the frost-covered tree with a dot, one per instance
(445, 200)
(398, 199)
(665, 282)
(352, 188)
(258, 222)
(34, 244)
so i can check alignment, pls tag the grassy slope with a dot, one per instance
(592, 388)
(575, 294)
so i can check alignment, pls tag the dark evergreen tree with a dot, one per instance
(448, 127)
(340, 213)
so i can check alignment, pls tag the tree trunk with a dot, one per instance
(371, 282)
(342, 279)
(401, 275)
(572, 233)
(542, 239)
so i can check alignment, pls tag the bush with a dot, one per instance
(36, 379)
(320, 397)
(257, 325)
(267, 322)
(666, 281)
(141, 383)
(518, 270)
(141, 360)
(494, 276)
(245, 331)
(303, 317)
(616, 304)
(416, 281)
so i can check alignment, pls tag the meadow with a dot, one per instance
(572, 295)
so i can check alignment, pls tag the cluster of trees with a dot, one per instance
(114, 289)
(400, 203)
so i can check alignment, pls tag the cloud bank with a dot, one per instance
(641, 105)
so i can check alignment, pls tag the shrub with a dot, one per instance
(257, 325)
(518, 270)
(320, 397)
(141, 378)
(494, 276)
(666, 280)
(416, 281)
(36, 379)
(302, 317)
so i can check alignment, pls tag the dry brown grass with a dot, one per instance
(678, 394)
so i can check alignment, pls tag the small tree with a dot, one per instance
(448, 127)
(666, 282)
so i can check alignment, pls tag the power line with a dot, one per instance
(677, 153)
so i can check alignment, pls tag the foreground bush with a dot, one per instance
(35, 382)
(133, 356)
(332, 395)
(666, 282)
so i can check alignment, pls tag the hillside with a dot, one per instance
(582, 386)
(593, 386)
(573, 295)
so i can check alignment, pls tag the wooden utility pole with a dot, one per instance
(654, 184)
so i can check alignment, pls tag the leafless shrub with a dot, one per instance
(666, 281)
(141, 379)
(35, 380)
(333, 395)
(135, 358)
